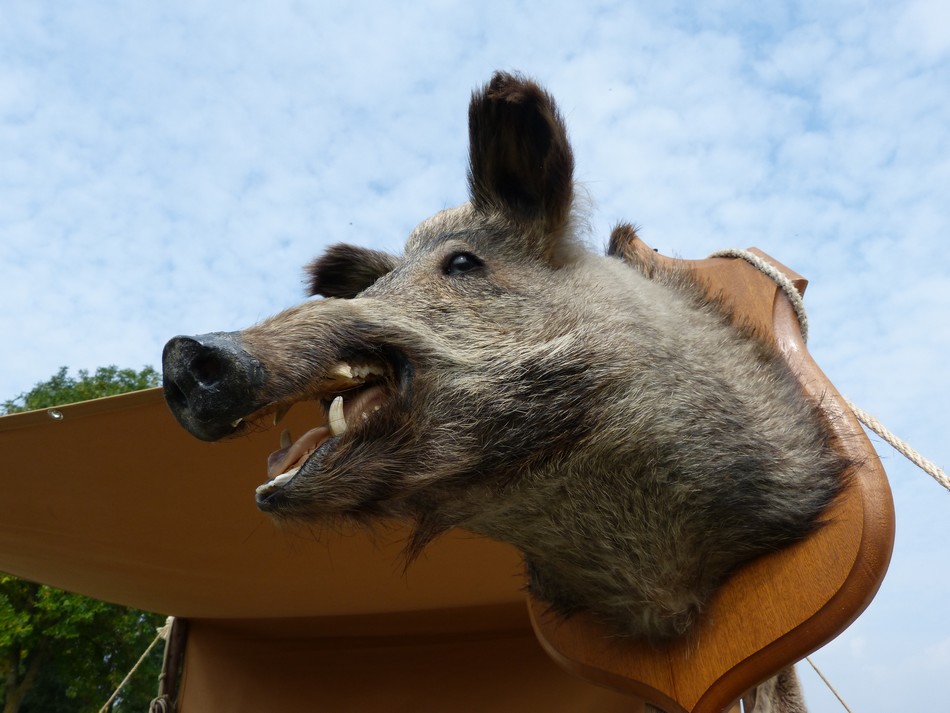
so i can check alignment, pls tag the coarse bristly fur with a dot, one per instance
(613, 424)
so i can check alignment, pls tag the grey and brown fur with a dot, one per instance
(612, 424)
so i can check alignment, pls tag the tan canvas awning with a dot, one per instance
(110, 498)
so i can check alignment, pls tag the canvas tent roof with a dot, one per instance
(110, 498)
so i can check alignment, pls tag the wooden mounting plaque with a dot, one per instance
(780, 607)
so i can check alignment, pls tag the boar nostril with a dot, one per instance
(208, 368)
(174, 395)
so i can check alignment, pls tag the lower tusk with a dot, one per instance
(337, 419)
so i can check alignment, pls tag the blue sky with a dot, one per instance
(169, 167)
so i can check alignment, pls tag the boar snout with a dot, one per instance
(209, 381)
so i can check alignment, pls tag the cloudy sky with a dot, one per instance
(168, 168)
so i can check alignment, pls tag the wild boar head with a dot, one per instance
(498, 376)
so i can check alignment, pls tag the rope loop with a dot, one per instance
(778, 277)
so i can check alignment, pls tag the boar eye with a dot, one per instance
(459, 263)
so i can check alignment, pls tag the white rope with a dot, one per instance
(795, 297)
(900, 445)
(162, 635)
(828, 683)
(863, 416)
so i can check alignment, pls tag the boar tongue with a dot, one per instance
(286, 458)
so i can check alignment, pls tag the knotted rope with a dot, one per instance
(161, 635)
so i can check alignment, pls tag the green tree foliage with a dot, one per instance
(62, 389)
(62, 652)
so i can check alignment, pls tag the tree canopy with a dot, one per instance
(61, 388)
(65, 652)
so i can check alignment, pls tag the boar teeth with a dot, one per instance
(280, 480)
(354, 372)
(337, 419)
(285, 439)
(344, 371)
(236, 422)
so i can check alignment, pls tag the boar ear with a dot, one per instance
(347, 270)
(520, 161)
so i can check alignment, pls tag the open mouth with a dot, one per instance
(352, 394)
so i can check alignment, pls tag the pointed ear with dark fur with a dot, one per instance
(346, 270)
(520, 160)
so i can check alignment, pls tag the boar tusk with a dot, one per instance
(337, 419)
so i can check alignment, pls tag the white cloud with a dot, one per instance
(924, 27)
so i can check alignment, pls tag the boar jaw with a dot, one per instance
(351, 394)
(342, 416)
